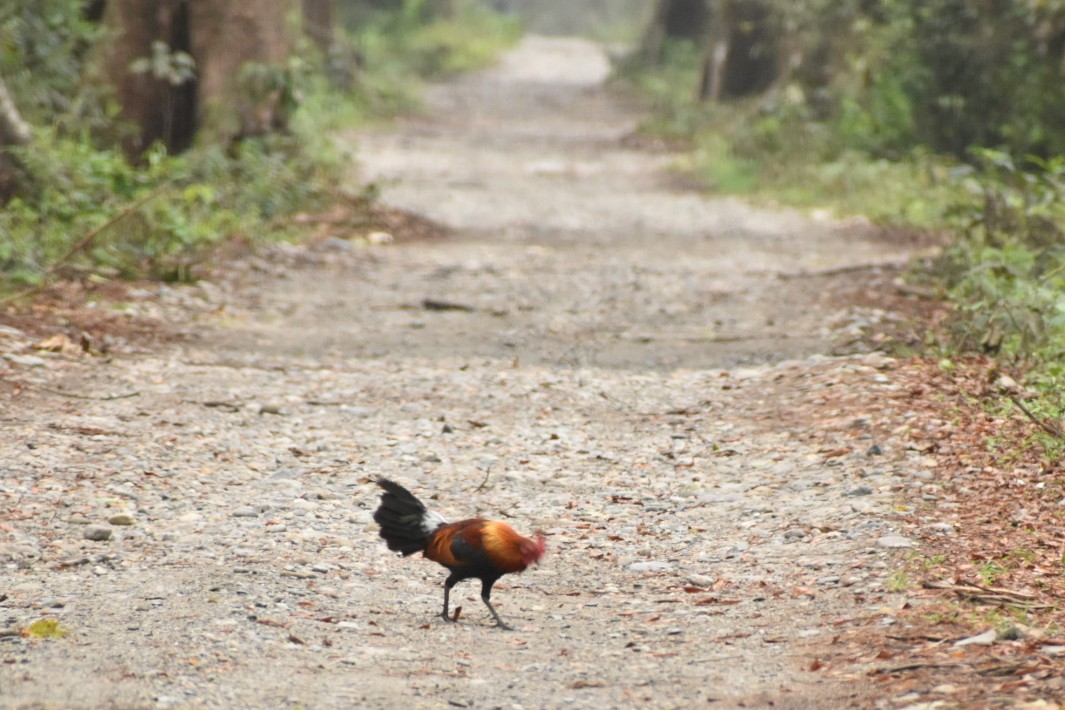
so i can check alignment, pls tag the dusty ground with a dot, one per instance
(657, 380)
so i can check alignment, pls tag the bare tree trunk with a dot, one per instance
(226, 35)
(673, 19)
(222, 37)
(13, 130)
(742, 50)
(160, 111)
(319, 23)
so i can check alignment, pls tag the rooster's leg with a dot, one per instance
(448, 584)
(486, 592)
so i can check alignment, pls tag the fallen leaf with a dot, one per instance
(46, 629)
(59, 343)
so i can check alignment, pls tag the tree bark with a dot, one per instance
(742, 51)
(221, 36)
(674, 19)
(158, 110)
(13, 130)
(319, 23)
(226, 35)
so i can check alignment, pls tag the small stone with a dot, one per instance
(985, 639)
(894, 542)
(246, 511)
(26, 360)
(701, 580)
(942, 528)
(828, 580)
(121, 519)
(794, 533)
(859, 491)
(97, 533)
(653, 566)
(945, 689)
(874, 450)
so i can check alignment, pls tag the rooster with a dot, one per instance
(473, 548)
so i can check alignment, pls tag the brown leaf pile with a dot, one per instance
(1001, 564)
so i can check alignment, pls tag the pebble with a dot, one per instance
(121, 519)
(26, 360)
(859, 491)
(653, 566)
(97, 533)
(246, 511)
(701, 580)
(983, 639)
(894, 542)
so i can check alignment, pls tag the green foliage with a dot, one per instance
(1007, 268)
(206, 196)
(668, 88)
(42, 45)
(175, 68)
(416, 41)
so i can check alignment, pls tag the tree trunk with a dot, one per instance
(319, 23)
(13, 131)
(226, 36)
(159, 110)
(221, 36)
(742, 50)
(674, 19)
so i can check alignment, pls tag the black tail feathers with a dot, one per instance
(404, 520)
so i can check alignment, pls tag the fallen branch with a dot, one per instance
(487, 473)
(989, 595)
(914, 667)
(436, 304)
(85, 240)
(105, 398)
(1049, 428)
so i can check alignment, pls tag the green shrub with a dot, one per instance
(1006, 269)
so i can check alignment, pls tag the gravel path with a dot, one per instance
(651, 377)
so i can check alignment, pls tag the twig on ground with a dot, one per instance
(989, 595)
(84, 241)
(487, 472)
(105, 398)
(1045, 426)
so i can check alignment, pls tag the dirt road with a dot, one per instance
(636, 369)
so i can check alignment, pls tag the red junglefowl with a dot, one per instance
(474, 548)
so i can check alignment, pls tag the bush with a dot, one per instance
(1007, 268)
